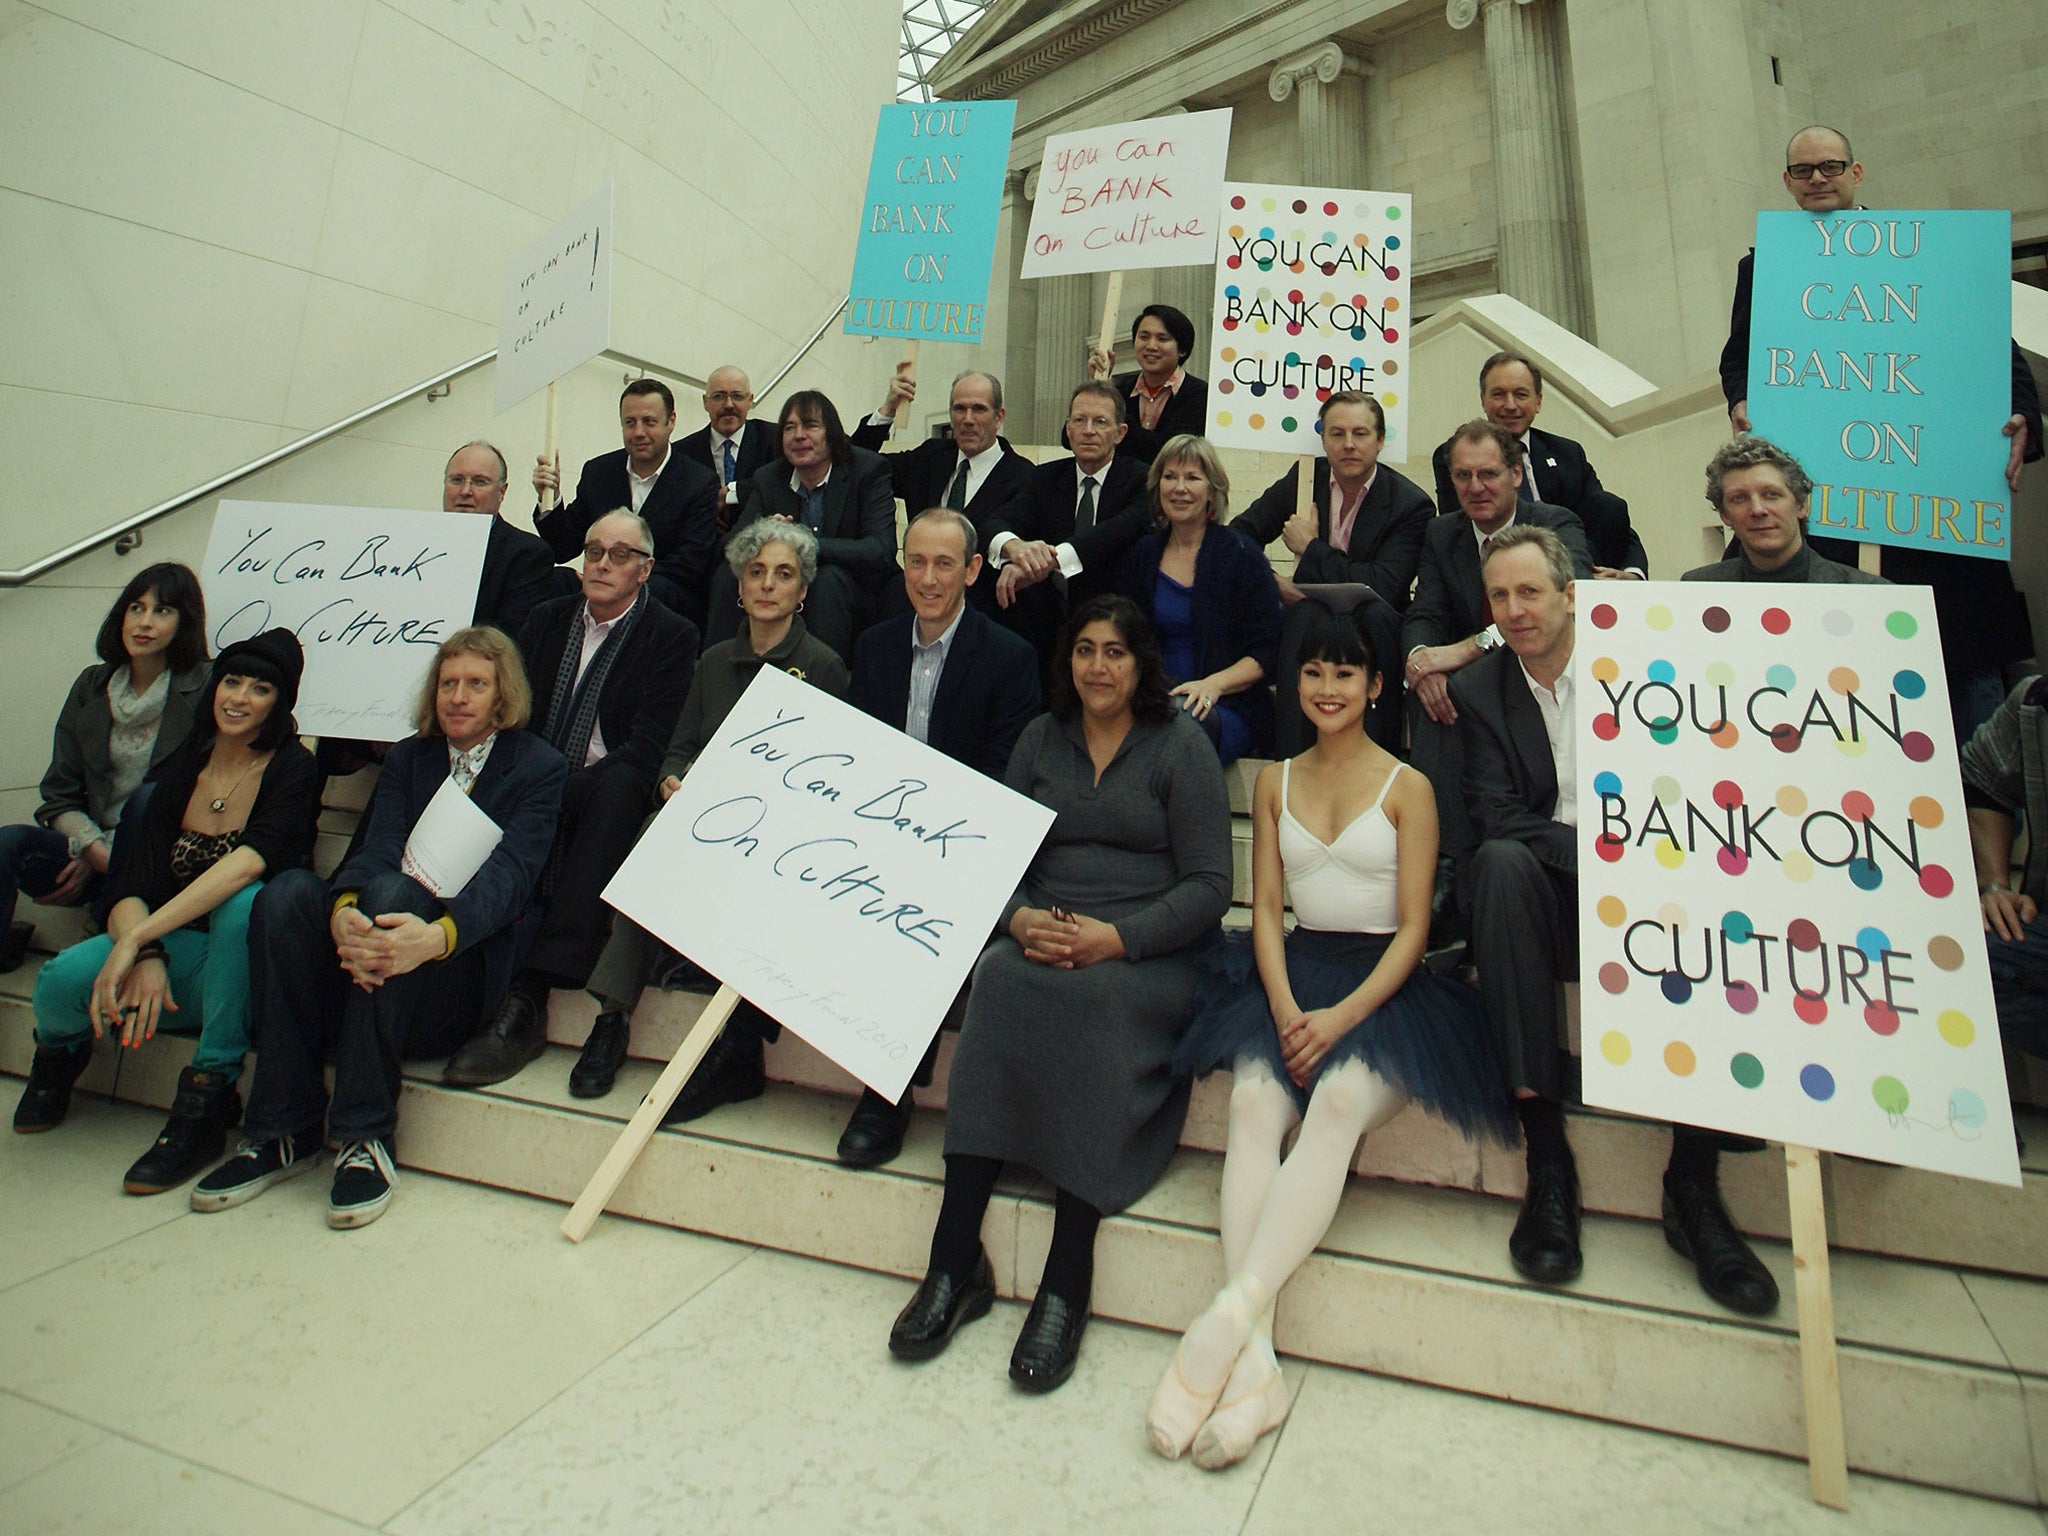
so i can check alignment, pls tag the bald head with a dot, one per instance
(728, 399)
(1821, 171)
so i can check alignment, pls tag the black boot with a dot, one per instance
(48, 1094)
(206, 1109)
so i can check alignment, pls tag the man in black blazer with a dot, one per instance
(963, 685)
(609, 671)
(1448, 625)
(1518, 709)
(1057, 542)
(1374, 539)
(1554, 469)
(977, 472)
(414, 969)
(1982, 617)
(519, 569)
(675, 494)
(1162, 341)
(840, 493)
(732, 444)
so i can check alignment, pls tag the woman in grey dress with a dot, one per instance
(1065, 1059)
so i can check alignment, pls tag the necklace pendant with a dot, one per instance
(219, 805)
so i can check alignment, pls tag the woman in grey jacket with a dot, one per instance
(123, 715)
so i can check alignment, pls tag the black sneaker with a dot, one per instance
(364, 1177)
(51, 1074)
(254, 1169)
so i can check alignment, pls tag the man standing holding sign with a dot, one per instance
(976, 472)
(1846, 339)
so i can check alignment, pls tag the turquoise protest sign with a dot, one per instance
(928, 224)
(1880, 356)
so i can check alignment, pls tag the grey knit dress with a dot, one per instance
(1070, 1072)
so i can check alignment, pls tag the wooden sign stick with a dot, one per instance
(1112, 300)
(647, 1118)
(1827, 1457)
(908, 359)
(548, 445)
(1869, 557)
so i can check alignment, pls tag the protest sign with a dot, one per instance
(555, 313)
(369, 591)
(1880, 355)
(1129, 195)
(837, 873)
(1778, 922)
(1311, 298)
(928, 223)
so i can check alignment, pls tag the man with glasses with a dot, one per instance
(1055, 543)
(1983, 621)
(733, 443)
(609, 670)
(519, 568)
(676, 495)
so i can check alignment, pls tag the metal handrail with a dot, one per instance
(140, 520)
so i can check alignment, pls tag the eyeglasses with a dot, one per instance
(1806, 170)
(1098, 423)
(470, 482)
(727, 397)
(618, 554)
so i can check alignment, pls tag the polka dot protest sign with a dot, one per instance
(1778, 926)
(1311, 298)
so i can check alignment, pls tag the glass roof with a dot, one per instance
(930, 27)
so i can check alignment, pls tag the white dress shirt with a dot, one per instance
(594, 635)
(927, 666)
(1558, 708)
(638, 486)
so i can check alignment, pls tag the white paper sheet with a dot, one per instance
(449, 842)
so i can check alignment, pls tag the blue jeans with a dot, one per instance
(31, 859)
(209, 978)
(2019, 984)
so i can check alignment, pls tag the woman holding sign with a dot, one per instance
(1162, 399)
(237, 803)
(1332, 1028)
(1212, 598)
(1065, 1058)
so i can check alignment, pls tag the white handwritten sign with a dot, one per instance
(838, 874)
(369, 591)
(1129, 195)
(556, 311)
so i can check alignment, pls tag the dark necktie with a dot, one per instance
(1522, 491)
(1084, 514)
(731, 462)
(956, 498)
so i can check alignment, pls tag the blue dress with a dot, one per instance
(1430, 1039)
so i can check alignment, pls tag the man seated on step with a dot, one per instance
(732, 444)
(961, 684)
(1056, 543)
(2005, 785)
(976, 472)
(1516, 710)
(609, 668)
(1371, 537)
(1554, 469)
(371, 967)
(1761, 493)
(1448, 625)
(675, 494)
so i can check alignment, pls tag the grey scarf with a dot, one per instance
(572, 708)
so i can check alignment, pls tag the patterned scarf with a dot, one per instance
(572, 709)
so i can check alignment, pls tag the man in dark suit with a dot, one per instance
(519, 569)
(1982, 617)
(1448, 625)
(1057, 542)
(675, 494)
(1518, 709)
(1554, 469)
(977, 473)
(961, 684)
(1162, 400)
(732, 444)
(609, 671)
(414, 968)
(1373, 538)
(840, 493)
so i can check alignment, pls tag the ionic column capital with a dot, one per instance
(1326, 62)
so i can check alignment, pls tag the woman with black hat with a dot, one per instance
(238, 801)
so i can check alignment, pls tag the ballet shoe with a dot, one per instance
(1179, 1410)
(1229, 1434)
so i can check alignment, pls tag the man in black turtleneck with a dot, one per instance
(1761, 493)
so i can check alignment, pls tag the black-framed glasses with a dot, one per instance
(618, 554)
(728, 397)
(1806, 170)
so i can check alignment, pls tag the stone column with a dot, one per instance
(1063, 325)
(1020, 337)
(1328, 86)
(1537, 236)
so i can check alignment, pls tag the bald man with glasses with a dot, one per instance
(733, 443)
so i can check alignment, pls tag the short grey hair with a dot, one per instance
(757, 535)
(1546, 543)
(1752, 452)
(640, 528)
(995, 385)
(970, 536)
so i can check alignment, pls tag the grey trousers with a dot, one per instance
(1525, 940)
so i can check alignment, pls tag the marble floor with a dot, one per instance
(458, 1367)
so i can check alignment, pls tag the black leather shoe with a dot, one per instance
(1049, 1344)
(940, 1309)
(1697, 1224)
(1545, 1242)
(51, 1072)
(730, 1073)
(598, 1067)
(875, 1133)
(14, 945)
(516, 1034)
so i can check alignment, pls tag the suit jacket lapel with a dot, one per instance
(1465, 565)
(1531, 740)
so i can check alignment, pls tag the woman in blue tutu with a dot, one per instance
(1333, 1027)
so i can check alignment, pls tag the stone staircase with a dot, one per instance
(1941, 1285)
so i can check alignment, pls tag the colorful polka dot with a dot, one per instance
(1746, 1070)
(1613, 911)
(1810, 1007)
(1908, 684)
(1945, 952)
(1935, 880)
(1873, 941)
(1925, 811)
(1672, 915)
(1615, 1047)
(1776, 621)
(1781, 677)
(1733, 861)
(1608, 847)
(1666, 790)
(1889, 1092)
(1738, 927)
(1856, 805)
(1606, 727)
(1608, 783)
(1669, 854)
(1865, 875)
(1614, 978)
(1604, 669)
(1903, 626)
(1881, 1016)
(1817, 1082)
(1850, 746)
(1661, 672)
(1966, 1111)
(1657, 616)
(1802, 933)
(1837, 622)
(1844, 680)
(1742, 997)
(1676, 988)
(1603, 618)
(1725, 735)
(1791, 799)
(1796, 866)
(1917, 745)
(1715, 620)
(1679, 1059)
(1956, 1027)
(1785, 737)
(1719, 673)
